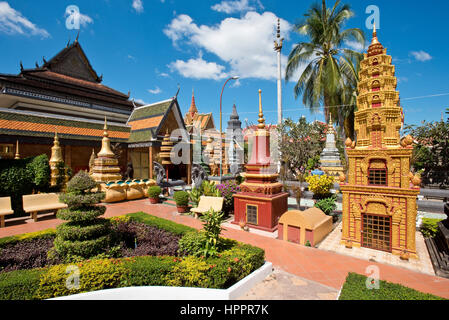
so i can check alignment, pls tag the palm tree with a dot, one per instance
(330, 77)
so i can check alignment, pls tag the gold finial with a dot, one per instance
(261, 120)
(331, 124)
(105, 143)
(105, 128)
(56, 155)
(375, 40)
(17, 156)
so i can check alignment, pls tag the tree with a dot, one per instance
(431, 152)
(300, 141)
(330, 77)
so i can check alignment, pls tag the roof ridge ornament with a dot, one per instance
(261, 120)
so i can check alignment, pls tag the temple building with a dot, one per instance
(330, 157)
(200, 121)
(65, 95)
(235, 150)
(379, 197)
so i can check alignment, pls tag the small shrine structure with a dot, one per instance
(379, 197)
(330, 157)
(55, 159)
(261, 201)
(106, 165)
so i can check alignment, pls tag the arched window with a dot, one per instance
(377, 173)
(375, 62)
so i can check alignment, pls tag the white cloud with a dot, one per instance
(235, 6)
(198, 69)
(246, 44)
(13, 22)
(421, 55)
(130, 57)
(140, 101)
(138, 5)
(156, 90)
(356, 46)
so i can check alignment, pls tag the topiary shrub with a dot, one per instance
(327, 205)
(85, 235)
(181, 198)
(154, 192)
(429, 227)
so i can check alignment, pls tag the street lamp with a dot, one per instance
(221, 134)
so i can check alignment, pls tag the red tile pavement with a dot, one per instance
(325, 267)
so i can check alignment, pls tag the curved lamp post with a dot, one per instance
(221, 134)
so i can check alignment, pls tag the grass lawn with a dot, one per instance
(355, 289)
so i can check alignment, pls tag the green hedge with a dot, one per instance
(48, 233)
(20, 284)
(21, 177)
(160, 223)
(355, 289)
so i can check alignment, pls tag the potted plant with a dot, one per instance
(153, 194)
(182, 201)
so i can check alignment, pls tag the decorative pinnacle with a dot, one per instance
(375, 40)
(278, 45)
(279, 29)
(17, 156)
(331, 124)
(261, 120)
(105, 132)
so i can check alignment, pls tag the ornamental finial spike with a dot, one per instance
(261, 120)
(105, 133)
(17, 156)
(375, 40)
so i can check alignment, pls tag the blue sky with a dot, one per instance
(151, 46)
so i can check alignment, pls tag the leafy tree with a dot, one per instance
(330, 77)
(431, 153)
(300, 141)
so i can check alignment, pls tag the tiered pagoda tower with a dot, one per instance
(261, 201)
(330, 157)
(106, 165)
(379, 198)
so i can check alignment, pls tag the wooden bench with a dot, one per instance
(5, 209)
(207, 203)
(34, 203)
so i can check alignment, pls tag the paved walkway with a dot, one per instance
(327, 268)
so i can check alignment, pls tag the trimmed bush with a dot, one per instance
(327, 205)
(429, 227)
(320, 185)
(148, 271)
(193, 243)
(85, 235)
(154, 192)
(44, 234)
(20, 284)
(355, 289)
(23, 176)
(181, 198)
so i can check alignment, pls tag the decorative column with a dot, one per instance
(17, 156)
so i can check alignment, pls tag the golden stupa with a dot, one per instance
(379, 198)
(106, 165)
(55, 159)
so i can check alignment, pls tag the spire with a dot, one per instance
(56, 155)
(106, 143)
(234, 114)
(193, 110)
(261, 120)
(330, 125)
(278, 43)
(17, 156)
(375, 47)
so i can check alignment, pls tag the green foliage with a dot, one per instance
(429, 227)
(308, 244)
(313, 162)
(308, 143)
(239, 179)
(327, 205)
(170, 226)
(195, 196)
(431, 153)
(21, 177)
(181, 198)
(210, 189)
(44, 234)
(93, 275)
(193, 243)
(85, 235)
(20, 284)
(212, 221)
(154, 192)
(355, 289)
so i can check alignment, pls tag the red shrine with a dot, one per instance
(261, 201)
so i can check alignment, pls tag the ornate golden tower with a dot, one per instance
(56, 157)
(106, 165)
(379, 200)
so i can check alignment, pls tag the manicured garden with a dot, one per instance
(355, 288)
(132, 250)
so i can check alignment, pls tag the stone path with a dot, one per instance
(326, 268)
(281, 285)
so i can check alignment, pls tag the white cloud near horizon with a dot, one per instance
(245, 44)
(138, 6)
(198, 69)
(13, 22)
(421, 55)
(236, 6)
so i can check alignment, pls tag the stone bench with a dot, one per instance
(35, 203)
(5, 209)
(206, 204)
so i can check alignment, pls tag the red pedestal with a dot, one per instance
(269, 209)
